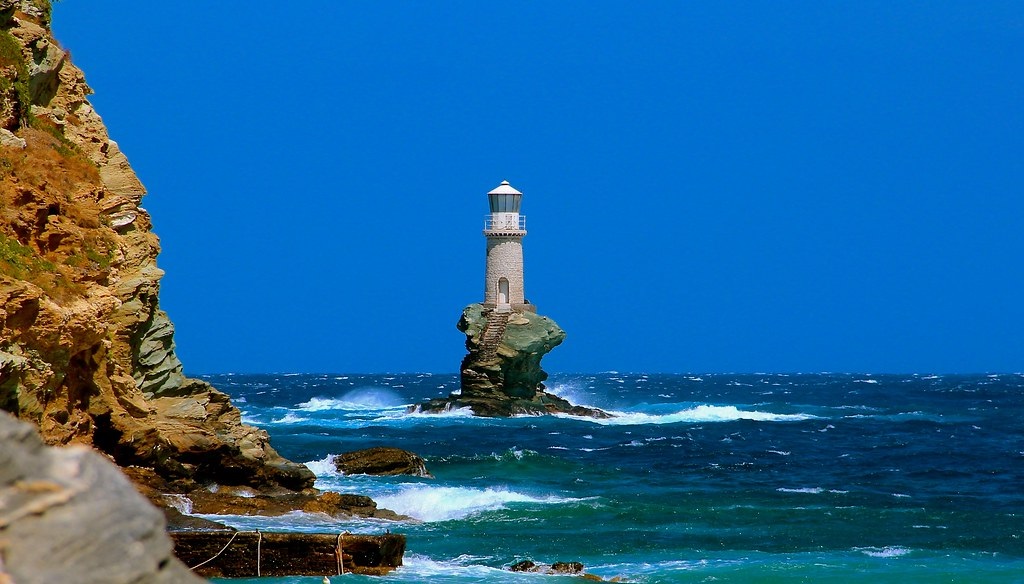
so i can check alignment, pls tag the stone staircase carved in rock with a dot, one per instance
(493, 331)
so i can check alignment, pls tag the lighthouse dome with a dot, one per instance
(504, 189)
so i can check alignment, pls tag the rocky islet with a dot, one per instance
(501, 374)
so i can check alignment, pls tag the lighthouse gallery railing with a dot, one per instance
(491, 224)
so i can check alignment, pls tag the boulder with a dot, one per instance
(501, 374)
(381, 460)
(9, 140)
(68, 515)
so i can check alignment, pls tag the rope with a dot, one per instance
(259, 542)
(233, 536)
(338, 554)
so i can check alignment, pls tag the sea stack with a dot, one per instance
(505, 337)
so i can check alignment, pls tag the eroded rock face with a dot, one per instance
(86, 354)
(381, 461)
(501, 374)
(68, 515)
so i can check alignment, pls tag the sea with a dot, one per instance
(697, 478)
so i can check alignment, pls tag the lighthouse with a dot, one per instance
(504, 229)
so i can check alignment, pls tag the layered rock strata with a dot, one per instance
(86, 353)
(382, 461)
(501, 373)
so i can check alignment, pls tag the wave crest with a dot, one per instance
(702, 413)
(430, 503)
(363, 398)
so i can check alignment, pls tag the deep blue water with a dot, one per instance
(725, 478)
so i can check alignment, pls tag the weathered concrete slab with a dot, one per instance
(237, 554)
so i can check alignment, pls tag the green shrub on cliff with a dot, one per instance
(10, 55)
(19, 261)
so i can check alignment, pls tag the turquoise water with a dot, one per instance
(711, 478)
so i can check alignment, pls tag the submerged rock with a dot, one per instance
(501, 375)
(572, 568)
(381, 460)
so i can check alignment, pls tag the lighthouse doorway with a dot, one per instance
(503, 292)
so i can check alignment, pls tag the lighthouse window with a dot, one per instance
(504, 203)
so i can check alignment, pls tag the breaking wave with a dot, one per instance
(703, 413)
(429, 503)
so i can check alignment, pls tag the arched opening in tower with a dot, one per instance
(503, 291)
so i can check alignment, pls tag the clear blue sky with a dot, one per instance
(710, 186)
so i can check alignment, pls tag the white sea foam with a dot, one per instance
(323, 467)
(289, 418)
(424, 569)
(362, 398)
(885, 552)
(299, 522)
(572, 392)
(808, 490)
(180, 502)
(865, 381)
(430, 503)
(452, 413)
(702, 413)
(811, 490)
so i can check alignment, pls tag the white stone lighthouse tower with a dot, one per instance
(504, 229)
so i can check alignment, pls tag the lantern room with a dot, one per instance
(504, 198)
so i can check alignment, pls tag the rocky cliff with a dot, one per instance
(86, 354)
(501, 373)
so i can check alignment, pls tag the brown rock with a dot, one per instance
(567, 567)
(562, 568)
(381, 460)
(523, 566)
(225, 502)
